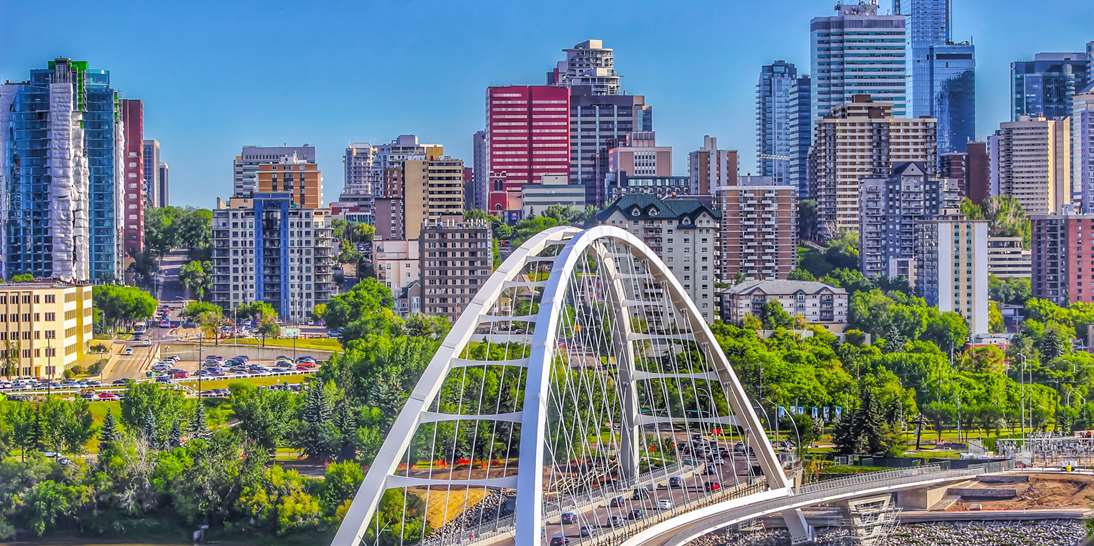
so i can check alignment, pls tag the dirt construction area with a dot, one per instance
(1040, 491)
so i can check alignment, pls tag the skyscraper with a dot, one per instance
(599, 123)
(151, 172)
(929, 26)
(135, 201)
(63, 199)
(296, 177)
(163, 196)
(801, 135)
(527, 136)
(857, 52)
(1063, 263)
(1031, 161)
(773, 117)
(758, 232)
(245, 165)
(951, 94)
(480, 174)
(1045, 85)
(857, 140)
(588, 63)
(1082, 147)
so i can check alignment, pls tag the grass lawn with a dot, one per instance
(314, 343)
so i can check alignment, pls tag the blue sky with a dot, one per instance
(215, 75)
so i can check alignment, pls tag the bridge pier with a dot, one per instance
(800, 530)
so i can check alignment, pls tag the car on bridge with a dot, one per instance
(635, 514)
(587, 531)
(618, 502)
(665, 504)
(569, 517)
(711, 487)
(559, 540)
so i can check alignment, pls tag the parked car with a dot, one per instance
(109, 396)
(128, 351)
(120, 382)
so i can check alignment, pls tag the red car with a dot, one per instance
(306, 366)
(712, 486)
(108, 396)
(180, 374)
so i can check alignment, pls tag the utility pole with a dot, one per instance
(201, 365)
(49, 369)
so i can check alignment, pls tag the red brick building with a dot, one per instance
(759, 232)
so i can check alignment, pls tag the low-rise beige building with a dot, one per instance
(816, 302)
(45, 327)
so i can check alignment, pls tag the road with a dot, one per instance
(128, 367)
(169, 290)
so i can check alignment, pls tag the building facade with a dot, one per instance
(857, 140)
(801, 135)
(480, 171)
(246, 164)
(758, 232)
(710, 168)
(432, 188)
(928, 26)
(45, 327)
(63, 179)
(1063, 257)
(1044, 86)
(816, 302)
(858, 52)
(527, 136)
(300, 179)
(682, 232)
(163, 193)
(151, 156)
(357, 163)
(456, 259)
(1082, 148)
(890, 211)
(1031, 161)
(554, 191)
(1008, 258)
(590, 64)
(952, 267)
(398, 265)
(773, 116)
(265, 248)
(599, 123)
(134, 200)
(951, 94)
(662, 187)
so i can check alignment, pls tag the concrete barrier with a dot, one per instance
(984, 492)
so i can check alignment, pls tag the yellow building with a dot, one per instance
(45, 327)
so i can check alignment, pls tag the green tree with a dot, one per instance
(266, 417)
(151, 399)
(67, 424)
(197, 277)
(109, 431)
(22, 277)
(49, 502)
(774, 316)
(366, 308)
(317, 434)
(122, 304)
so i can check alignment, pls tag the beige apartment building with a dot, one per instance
(1031, 161)
(432, 188)
(45, 327)
(862, 139)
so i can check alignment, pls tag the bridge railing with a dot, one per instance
(904, 474)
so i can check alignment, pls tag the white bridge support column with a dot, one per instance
(631, 439)
(800, 530)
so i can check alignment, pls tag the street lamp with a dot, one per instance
(201, 364)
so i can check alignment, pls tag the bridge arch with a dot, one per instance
(608, 383)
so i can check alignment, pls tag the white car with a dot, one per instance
(664, 504)
(128, 351)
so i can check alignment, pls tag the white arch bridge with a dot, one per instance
(580, 394)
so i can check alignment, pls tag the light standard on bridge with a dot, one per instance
(1022, 383)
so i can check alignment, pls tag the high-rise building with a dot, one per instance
(758, 232)
(951, 93)
(860, 139)
(1044, 86)
(392, 155)
(977, 186)
(1082, 147)
(890, 209)
(151, 156)
(357, 162)
(710, 168)
(432, 189)
(257, 257)
(1031, 161)
(456, 260)
(1063, 258)
(245, 165)
(952, 267)
(300, 179)
(929, 25)
(599, 123)
(163, 195)
(587, 63)
(801, 135)
(682, 232)
(134, 200)
(527, 136)
(858, 52)
(480, 170)
(47, 327)
(773, 117)
(63, 190)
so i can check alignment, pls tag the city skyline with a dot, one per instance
(203, 97)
